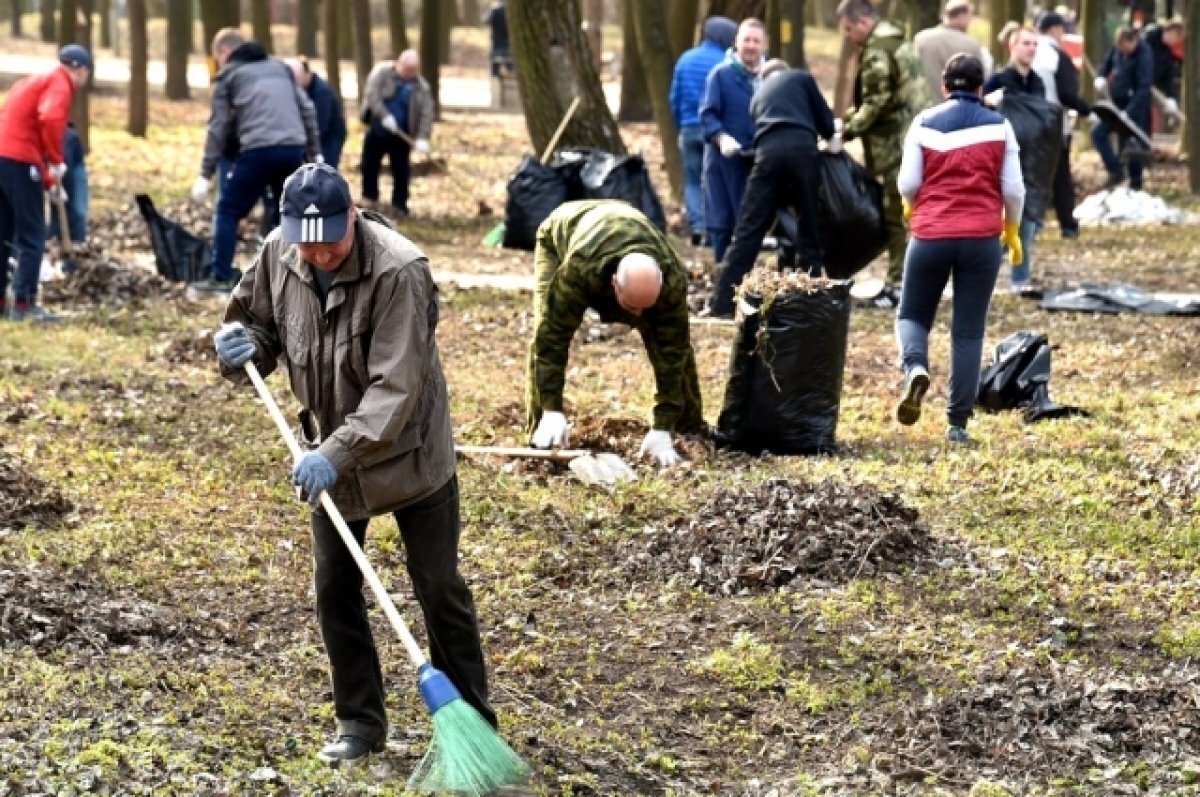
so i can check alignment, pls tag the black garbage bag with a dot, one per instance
(1037, 125)
(534, 191)
(608, 176)
(850, 204)
(179, 255)
(785, 373)
(1019, 378)
(569, 163)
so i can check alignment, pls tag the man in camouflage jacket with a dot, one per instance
(582, 251)
(889, 90)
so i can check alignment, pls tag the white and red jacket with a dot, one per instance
(960, 171)
(34, 118)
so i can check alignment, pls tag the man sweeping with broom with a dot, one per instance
(350, 306)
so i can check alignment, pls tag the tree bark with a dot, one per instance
(260, 23)
(75, 27)
(650, 21)
(447, 20)
(681, 26)
(68, 18)
(594, 24)
(429, 45)
(364, 55)
(217, 14)
(791, 42)
(345, 27)
(396, 27)
(470, 13)
(1000, 12)
(104, 11)
(553, 67)
(737, 9)
(49, 31)
(179, 45)
(306, 27)
(332, 52)
(635, 96)
(138, 58)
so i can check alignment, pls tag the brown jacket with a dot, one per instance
(367, 367)
(381, 85)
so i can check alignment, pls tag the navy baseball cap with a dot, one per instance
(315, 206)
(75, 55)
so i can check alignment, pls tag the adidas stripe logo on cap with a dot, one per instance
(315, 206)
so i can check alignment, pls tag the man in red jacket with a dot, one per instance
(32, 122)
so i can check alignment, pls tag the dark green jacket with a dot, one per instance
(577, 251)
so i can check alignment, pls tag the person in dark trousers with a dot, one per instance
(257, 104)
(1019, 78)
(687, 87)
(1126, 74)
(74, 185)
(350, 307)
(960, 179)
(789, 114)
(32, 125)
(399, 105)
(495, 16)
(331, 117)
(1166, 46)
(1060, 79)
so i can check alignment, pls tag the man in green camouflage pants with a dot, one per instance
(889, 90)
(606, 255)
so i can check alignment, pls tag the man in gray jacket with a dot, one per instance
(398, 111)
(265, 125)
(351, 307)
(936, 45)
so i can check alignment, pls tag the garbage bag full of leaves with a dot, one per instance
(850, 204)
(786, 365)
(592, 173)
(534, 191)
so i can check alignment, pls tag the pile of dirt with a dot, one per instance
(49, 610)
(195, 348)
(26, 500)
(107, 283)
(763, 537)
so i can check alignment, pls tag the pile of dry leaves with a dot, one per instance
(27, 500)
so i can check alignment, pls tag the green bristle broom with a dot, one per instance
(466, 755)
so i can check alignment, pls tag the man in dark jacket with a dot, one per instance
(606, 255)
(1166, 45)
(1127, 74)
(257, 103)
(331, 117)
(351, 307)
(789, 114)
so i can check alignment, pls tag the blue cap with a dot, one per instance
(315, 206)
(75, 55)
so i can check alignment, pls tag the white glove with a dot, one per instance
(728, 145)
(58, 193)
(422, 146)
(200, 189)
(551, 430)
(834, 144)
(657, 444)
(993, 98)
(1101, 84)
(1093, 120)
(57, 170)
(319, 158)
(389, 123)
(1172, 107)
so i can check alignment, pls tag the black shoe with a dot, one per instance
(957, 435)
(348, 748)
(1070, 232)
(908, 411)
(214, 285)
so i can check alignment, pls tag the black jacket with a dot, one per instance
(790, 99)
(1010, 79)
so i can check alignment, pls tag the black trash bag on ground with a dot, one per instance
(785, 372)
(608, 176)
(1037, 125)
(569, 163)
(534, 191)
(179, 255)
(1019, 378)
(850, 204)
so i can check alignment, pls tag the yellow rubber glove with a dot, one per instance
(1011, 237)
(907, 209)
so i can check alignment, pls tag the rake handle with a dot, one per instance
(381, 595)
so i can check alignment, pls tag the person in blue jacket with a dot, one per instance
(75, 183)
(331, 116)
(1126, 73)
(687, 87)
(729, 132)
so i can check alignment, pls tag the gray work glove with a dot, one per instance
(314, 474)
(234, 346)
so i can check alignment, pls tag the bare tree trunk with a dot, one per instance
(68, 18)
(428, 46)
(306, 27)
(737, 9)
(345, 27)
(217, 14)
(635, 96)
(470, 13)
(650, 20)
(681, 26)
(999, 12)
(48, 31)
(332, 52)
(396, 27)
(104, 10)
(594, 25)
(791, 34)
(179, 45)
(447, 21)
(75, 27)
(554, 66)
(15, 18)
(772, 24)
(260, 23)
(139, 102)
(364, 55)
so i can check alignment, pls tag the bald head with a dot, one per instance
(638, 282)
(300, 71)
(408, 64)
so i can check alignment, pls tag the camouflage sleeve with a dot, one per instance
(877, 90)
(667, 344)
(559, 305)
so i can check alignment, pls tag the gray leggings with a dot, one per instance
(972, 264)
